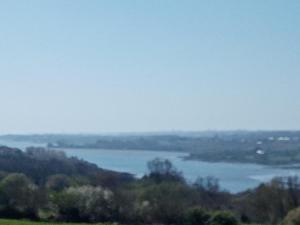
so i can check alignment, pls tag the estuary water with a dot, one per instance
(234, 177)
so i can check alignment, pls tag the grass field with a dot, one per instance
(24, 222)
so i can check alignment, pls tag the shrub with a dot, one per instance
(223, 218)
(85, 203)
(292, 218)
(196, 216)
(58, 182)
(18, 195)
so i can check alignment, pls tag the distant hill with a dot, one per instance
(263, 147)
(39, 164)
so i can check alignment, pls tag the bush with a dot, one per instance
(85, 203)
(196, 216)
(223, 218)
(58, 182)
(163, 170)
(292, 218)
(18, 195)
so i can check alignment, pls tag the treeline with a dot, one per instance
(273, 148)
(47, 185)
(39, 164)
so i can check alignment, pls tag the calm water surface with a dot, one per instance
(234, 177)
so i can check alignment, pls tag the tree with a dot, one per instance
(292, 218)
(85, 203)
(209, 184)
(58, 182)
(19, 195)
(270, 202)
(165, 202)
(223, 218)
(163, 170)
(196, 216)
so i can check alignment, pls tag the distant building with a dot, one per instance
(283, 139)
(260, 152)
(271, 138)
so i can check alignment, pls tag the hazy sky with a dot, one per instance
(158, 65)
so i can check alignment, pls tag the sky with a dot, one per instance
(76, 66)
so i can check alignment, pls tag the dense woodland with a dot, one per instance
(46, 185)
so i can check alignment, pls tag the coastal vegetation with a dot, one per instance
(48, 186)
(260, 147)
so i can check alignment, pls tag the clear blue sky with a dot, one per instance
(160, 65)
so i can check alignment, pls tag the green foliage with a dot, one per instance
(270, 202)
(85, 203)
(165, 202)
(223, 218)
(292, 218)
(68, 189)
(58, 182)
(279, 147)
(39, 164)
(197, 216)
(19, 194)
(163, 170)
(209, 184)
